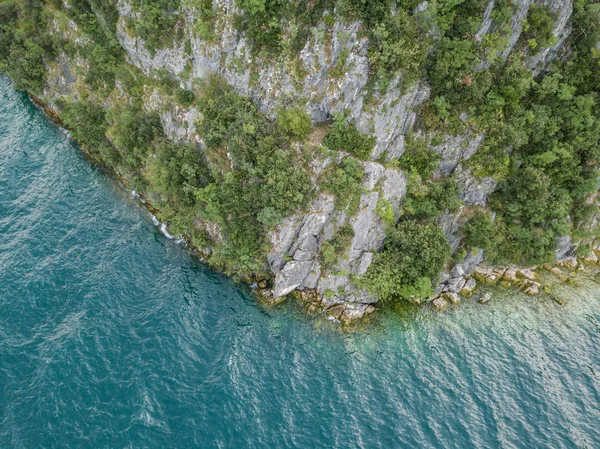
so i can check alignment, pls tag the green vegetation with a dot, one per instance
(206, 15)
(295, 122)
(345, 182)
(413, 256)
(25, 44)
(263, 21)
(427, 200)
(185, 97)
(418, 158)
(385, 211)
(344, 136)
(537, 29)
(541, 145)
(331, 250)
(158, 22)
(478, 231)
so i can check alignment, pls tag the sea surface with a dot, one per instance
(112, 336)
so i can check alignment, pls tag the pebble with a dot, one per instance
(485, 298)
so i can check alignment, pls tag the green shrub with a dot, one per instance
(537, 31)
(133, 132)
(331, 250)
(343, 136)
(27, 66)
(411, 260)
(478, 231)
(345, 183)
(419, 157)
(185, 97)
(533, 213)
(262, 179)
(157, 24)
(451, 69)
(86, 121)
(294, 121)
(385, 211)
(430, 199)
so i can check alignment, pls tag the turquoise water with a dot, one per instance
(112, 336)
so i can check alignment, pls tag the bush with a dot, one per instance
(294, 121)
(385, 211)
(428, 200)
(331, 250)
(345, 182)
(185, 97)
(451, 68)
(412, 258)
(533, 213)
(260, 181)
(478, 231)
(418, 157)
(343, 136)
(133, 132)
(538, 28)
(86, 121)
(157, 24)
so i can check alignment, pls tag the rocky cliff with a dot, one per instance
(332, 73)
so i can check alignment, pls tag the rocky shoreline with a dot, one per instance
(463, 281)
(528, 280)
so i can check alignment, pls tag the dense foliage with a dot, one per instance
(344, 136)
(413, 256)
(267, 181)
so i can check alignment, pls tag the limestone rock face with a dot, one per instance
(335, 72)
(296, 243)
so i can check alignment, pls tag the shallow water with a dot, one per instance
(113, 336)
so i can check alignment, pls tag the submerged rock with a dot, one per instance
(485, 298)
(439, 304)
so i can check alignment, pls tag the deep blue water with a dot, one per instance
(113, 336)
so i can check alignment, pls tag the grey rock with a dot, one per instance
(452, 297)
(455, 285)
(562, 29)
(439, 304)
(564, 247)
(455, 149)
(486, 22)
(291, 277)
(485, 298)
(473, 191)
(458, 271)
(365, 263)
(469, 285)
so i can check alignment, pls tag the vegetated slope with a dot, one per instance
(288, 139)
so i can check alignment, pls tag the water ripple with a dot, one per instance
(112, 336)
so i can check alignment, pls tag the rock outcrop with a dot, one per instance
(335, 71)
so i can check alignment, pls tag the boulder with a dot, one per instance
(526, 273)
(336, 311)
(469, 287)
(452, 297)
(485, 298)
(439, 304)
(591, 258)
(485, 274)
(510, 275)
(458, 271)
(532, 289)
(455, 285)
(292, 275)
